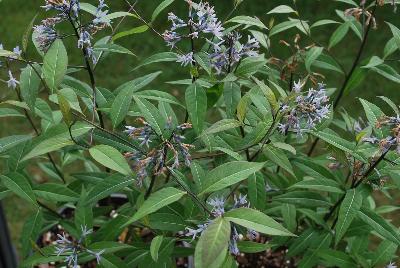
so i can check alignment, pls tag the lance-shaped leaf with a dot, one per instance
(228, 174)
(157, 200)
(107, 186)
(222, 125)
(155, 247)
(122, 102)
(257, 221)
(111, 158)
(303, 198)
(19, 185)
(319, 185)
(163, 5)
(311, 56)
(196, 105)
(212, 247)
(55, 64)
(380, 225)
(31, 231)
(7, 143)
(152, 115)
(29, 85)
(56, 138)
(55, 192)
(348, 211)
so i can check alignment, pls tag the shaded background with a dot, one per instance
(15, 15)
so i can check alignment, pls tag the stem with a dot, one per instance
(152, 182)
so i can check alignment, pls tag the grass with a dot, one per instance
(15, 15)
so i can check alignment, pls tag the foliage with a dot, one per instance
(246, 159)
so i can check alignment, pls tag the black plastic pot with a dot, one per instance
(7, 254)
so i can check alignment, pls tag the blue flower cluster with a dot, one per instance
(71, 249)
(12, 82)
(308, 110)
(203, 23)
(45, 33)
(218, 210)
(155, 159)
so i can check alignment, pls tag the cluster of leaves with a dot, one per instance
(247, 147)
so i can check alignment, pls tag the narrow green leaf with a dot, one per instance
(380, 225)
(29, 85)
(157, 200)
(319, 185)
(349, 208)
(31, 231)
(196, 105)
(339, 34)
(396, 33)
(55, 192)
(111, 158)
(303, 198)
(55, 64)
(107, 186)
(250, 21)
(152, 115)
(282, 9)
(311, 56)
(135, 30)
(222, 125)
(155, 247)
(228, 174)
(7, 143)
(19, 185)
(163, 5)
(212, 247)
(256, 220)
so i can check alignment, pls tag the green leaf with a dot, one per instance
(111, 158)
(301, 243)
(55, 64)
(212, 247)
(334, 139)
(396, 33)
(283, 26)
(7, 143)
(55, 192)
(249, 66)
(384, 253)
(379, 225)
(356, 79)
(135, 30)
(339, 34)
(289, 216)
(27, 33)
(163, 5)
(387, 72)
(83, 213)
(31, 231)
(228, 174)
(349, 208)
(256, 191)
(257, 221)
(157, 95)
(159, 57)
(196, 105)
(277, 156)
(374, 114)
(336, 258)
(29, 85)
(246, 20)
(152, 115)
(19, 185)
(323, 22)
(311, 56)
(122, 103)
(56, 138)
(252, 247)
(303, 198)
(112, 48)
(324, 185)
(155, 247)
(374, 61)
(107, 186)
(157, 200)
(222, 125)
(8, 112)
(282, 9)
(65, 109)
